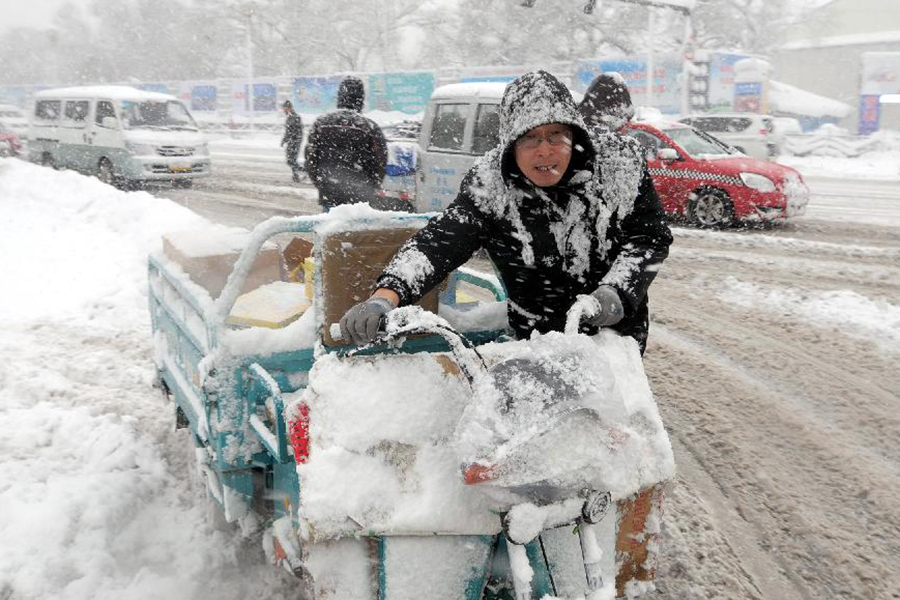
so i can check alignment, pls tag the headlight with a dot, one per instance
(758, 182)
(140, 149)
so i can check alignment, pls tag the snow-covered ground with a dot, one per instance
(95, 497)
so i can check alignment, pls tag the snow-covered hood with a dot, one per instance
(164, 138)
(734, 165)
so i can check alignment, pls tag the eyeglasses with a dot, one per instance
(557, 138)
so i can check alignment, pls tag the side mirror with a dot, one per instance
(109, 123)
(668, 155)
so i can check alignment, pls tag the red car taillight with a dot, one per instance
(299, 432)
(476, 473)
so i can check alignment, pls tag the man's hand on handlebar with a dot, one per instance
(362, 322)
(610, 310)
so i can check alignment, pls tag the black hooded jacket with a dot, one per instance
(346, 153)
(548, 244)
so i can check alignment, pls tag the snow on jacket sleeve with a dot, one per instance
(445, 243)
(644, 240)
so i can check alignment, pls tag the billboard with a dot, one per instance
(204, 98)
(404, 92)
(315, 95)
(869, 114)
(265, 95)
(667, 70)
(721, 94)
(153, 87)
(880, 73)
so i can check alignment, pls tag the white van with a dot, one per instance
(749, 133)
(461, 123)
(118, 133)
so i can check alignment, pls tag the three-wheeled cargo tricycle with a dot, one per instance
(348, 458)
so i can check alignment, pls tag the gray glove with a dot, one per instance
(360, 323)
(611, 309)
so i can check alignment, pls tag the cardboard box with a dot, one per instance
(208, 257)
(295, 254)
(349, 265)
(274, 305)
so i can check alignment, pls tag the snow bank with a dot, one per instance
(72, 246)
(95, 497)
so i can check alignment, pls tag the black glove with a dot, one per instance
(610, 309)
(360, 323)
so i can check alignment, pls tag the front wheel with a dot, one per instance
(47, 160)
(105, 172)
(711, 208)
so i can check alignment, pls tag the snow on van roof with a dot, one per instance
(114, 92)
(487, 89)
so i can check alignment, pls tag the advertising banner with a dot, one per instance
(748, 96)
(721, 80)
(667, 70)
(265, 94)
(315, 95)
(154, 87)
(16, 95)
(404, 92)
(869, 114)
(204, 98)
(880, 73)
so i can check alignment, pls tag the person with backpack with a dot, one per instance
(346, 153)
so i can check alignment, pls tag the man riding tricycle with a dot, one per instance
(461, 448)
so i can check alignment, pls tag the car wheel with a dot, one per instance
(105, 172)
(47, 160)
(711, 208)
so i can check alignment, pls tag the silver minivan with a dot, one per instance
(118, 133)
(461, 123)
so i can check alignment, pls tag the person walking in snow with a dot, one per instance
(551, 222)
(346, 153)
(293, 137)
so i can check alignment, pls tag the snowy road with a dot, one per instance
(773, 354)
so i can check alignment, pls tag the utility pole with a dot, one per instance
(250, 100)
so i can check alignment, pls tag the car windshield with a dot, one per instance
(696, 142)
(155, 114)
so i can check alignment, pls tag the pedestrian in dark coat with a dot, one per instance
(346, 153)
(552, 226)
(293, 137)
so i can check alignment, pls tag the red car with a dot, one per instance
(709, 183)
(9, 144)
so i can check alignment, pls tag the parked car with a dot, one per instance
(12, 119)
(749, 133)
(704, 180)
(9, 143)
(118, 133)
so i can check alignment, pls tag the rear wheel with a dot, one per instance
(105, 172)
(47, 160)
(711, 208)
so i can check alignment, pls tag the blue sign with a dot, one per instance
(721, 80)
(315, 94)
(203, 98)
(666, 73)
(869, 113)
(404, 92)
